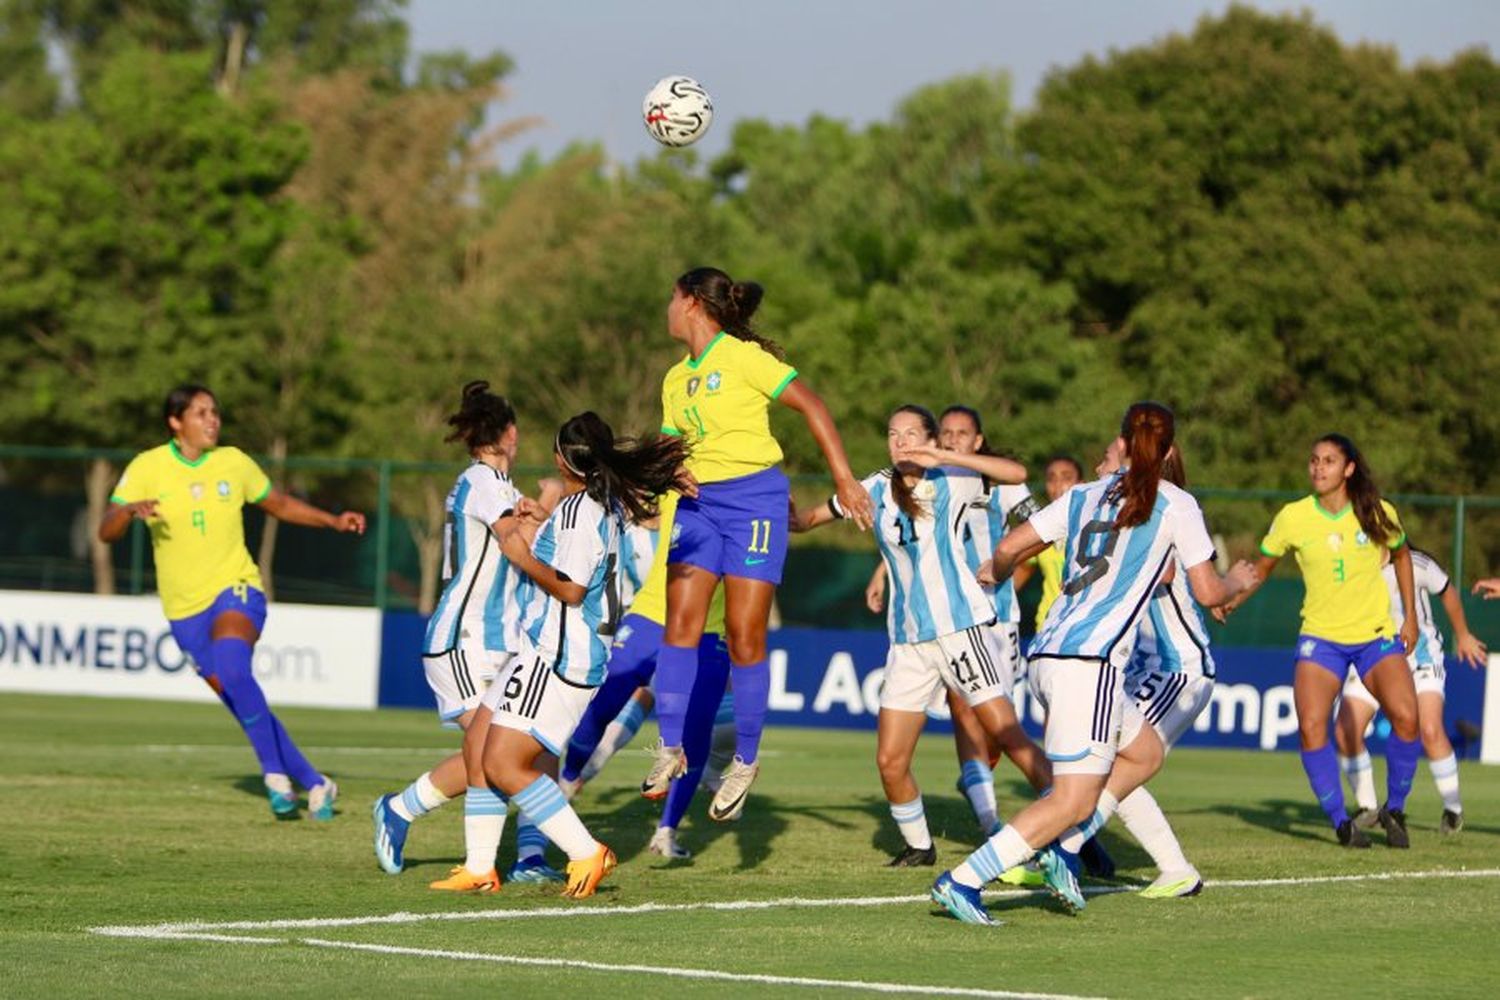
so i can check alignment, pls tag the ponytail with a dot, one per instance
(730, 304)
(1363, 493)
(629, 472)
(1173, 470)
(905, 499)
(1148, 431)
(482, 417)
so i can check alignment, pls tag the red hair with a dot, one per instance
(1148, 431)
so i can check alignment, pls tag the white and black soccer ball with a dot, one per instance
(677, 111)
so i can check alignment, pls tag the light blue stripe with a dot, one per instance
(1068, 757)
(540, 800)
(494, 606)
(898, 590)
(413, 802)
(461, 557)
(973, 773)
(986, 862)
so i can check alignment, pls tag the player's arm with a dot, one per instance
(1014, 549)
(1262, 568)
(117, 519)
(808, 519)
(1214, 591)
(517, 549)
(285, 507)
(1022, 574)
(1489, 588)
(875, 589)
(852, 496)
(1466, 645)
(1406, 583)
(992, 467)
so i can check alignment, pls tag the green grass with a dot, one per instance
(125, 812)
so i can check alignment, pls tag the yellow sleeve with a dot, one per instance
(1399, 539)
(254, 483)
(668, 425)
(1276, 542)
(765, 374)
(135, 482)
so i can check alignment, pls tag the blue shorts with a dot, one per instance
(1338, 657)
(195, 634)
(736, 527)
(637, 641)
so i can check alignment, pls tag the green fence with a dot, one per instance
(45, 531)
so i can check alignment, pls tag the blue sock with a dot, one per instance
(1401, 758)
(698, 728)
(974, 772)
(241, 693)
(612, 694)
(1322, 767)
(301, 771)
(530, 842)
(676, 666)
(752, 691)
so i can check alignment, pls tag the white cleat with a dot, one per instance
(321, 798)
(729, 800)
(664, 843)
(1171, 885)
(668, 763)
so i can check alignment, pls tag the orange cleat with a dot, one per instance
(584, 876)
(460, 879)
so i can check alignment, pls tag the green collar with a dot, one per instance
(695, 362)
(1324, 510)
(177, 454)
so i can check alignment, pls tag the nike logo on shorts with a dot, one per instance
(753, 562)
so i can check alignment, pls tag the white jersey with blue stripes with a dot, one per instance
(933, 591)
(479, 592)
(1173, 635)
(1428, 578)
(985, 523)
(1110, 573)
(637, 548)
(581, 540)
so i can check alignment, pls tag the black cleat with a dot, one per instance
(1351, 835)
(1096, 860)
(914, 857)
(1451, 822)
(1394, 821)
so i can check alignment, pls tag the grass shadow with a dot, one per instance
(1291, 817)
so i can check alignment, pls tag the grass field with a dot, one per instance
(128, 814)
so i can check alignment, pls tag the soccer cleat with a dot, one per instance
(1096, 860)
(1351, 835)
(1025, 876)
(670, 763)
(1452, 822)
(279, 791)
(1171, 885)
(729, 800)
(1394, 822)
(460, 879)
(534, 871)
(390, 835)
(1061, 877)
(664, 843)
(569, 787)
(1366, 818)
(320, 799)
(914, 857)
(584, 876)
(960, 900)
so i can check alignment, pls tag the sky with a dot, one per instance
(583, 66)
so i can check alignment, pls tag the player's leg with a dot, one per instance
(1441, 760)
(697, 739)
(1356, 708)
(690, 588)
(976, 781)
(1389, 680)
(896, 734)
(1315, 689)
(747, 612)
(631, 664)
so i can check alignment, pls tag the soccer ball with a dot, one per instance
(677, 111)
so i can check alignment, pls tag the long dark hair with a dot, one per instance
(1173, 469)
(905, 499)
(1148, 430)
(730, 304)
(180, 398)
(1363, 492)
(481, 418)
(631, 472)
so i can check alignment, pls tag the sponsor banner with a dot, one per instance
(122, 647)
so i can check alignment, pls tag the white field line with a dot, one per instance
(166, 930)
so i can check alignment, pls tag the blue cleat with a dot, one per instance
(963, 902)
(283, 804)
(534, 870)
(1060, 873)
(390, 835)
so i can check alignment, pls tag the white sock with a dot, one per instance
(1361, 778)
(278, 783)
(978, 783)
(1148, 825)
(912, 820)
(544, 802)
(617, 736)
(484, 822)
(995, 856)
(1074, 839)
(420, 798)
(1445, 773)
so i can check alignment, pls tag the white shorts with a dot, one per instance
(1007, 656)
(970, 662)
(536, 701)
(1429, 678)
(1086, 706)
(460, 677)
(1168, 702)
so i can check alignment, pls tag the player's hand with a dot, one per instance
(1243, 577)
(349, 521)
(1222, 612)
(854, 501)
(530, 510)
(687, 484)
(875, 594)
(142, 509)
(922, 455)
(985, 574)
(1409, 635)
(1489, 589)
(1471, 649)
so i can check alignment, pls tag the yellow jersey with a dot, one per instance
(651, 600)
(1049, 562)
(719, 402)
(198, 532)
(1346, 599)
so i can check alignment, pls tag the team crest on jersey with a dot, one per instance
(1336, 541)
(676, 532)
(223, 488)
(1360, 538)
(196, 490)
(715, 379)
(692, 385)
(1307, 649)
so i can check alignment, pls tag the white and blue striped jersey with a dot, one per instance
(581, 540)
(1173, 635)
(479, 592)
(1110, 573)
(933, 592)
(1428, 578)
(637, 548)
(985, 523)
